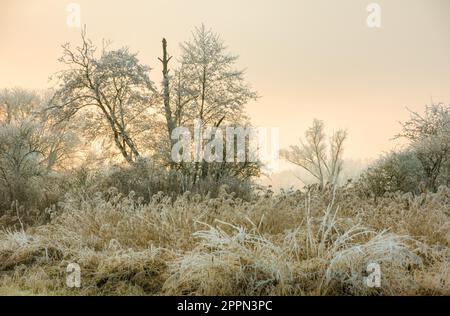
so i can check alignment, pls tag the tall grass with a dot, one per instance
(292, 243)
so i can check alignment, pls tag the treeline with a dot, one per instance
(106, 122)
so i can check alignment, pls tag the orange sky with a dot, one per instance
(306, 58)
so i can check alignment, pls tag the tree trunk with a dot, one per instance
(166, 95)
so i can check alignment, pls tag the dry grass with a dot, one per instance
(288, 244)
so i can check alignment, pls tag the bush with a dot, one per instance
(146, 179)
(396, 171)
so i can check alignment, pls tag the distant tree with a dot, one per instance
(30, 147)
(323, 161)
(17, 104)
(112, 93)
(23, 158)
(25, 110)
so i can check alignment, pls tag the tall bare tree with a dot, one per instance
(209, 87)
(218, 90)
(113, 93)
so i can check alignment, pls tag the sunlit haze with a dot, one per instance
(307, 59)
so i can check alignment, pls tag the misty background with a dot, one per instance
(307, 59)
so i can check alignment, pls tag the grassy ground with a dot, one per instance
(317, 243)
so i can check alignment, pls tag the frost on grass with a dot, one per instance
(294, 243)
(238, 262)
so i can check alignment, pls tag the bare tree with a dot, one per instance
(208, 87)
(16, 104)
(113, 94)
(30, 146)
(22, 156)
(312, 155)
(217, 89)
(170, 120)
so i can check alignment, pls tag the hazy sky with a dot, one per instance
(306, 58)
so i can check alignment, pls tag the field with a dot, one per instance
(291, 243)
